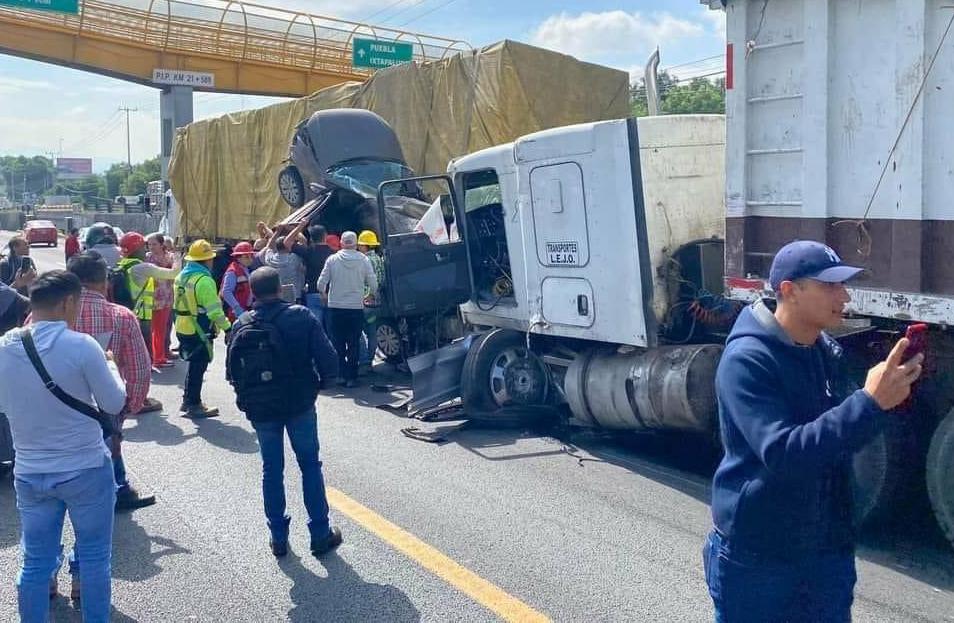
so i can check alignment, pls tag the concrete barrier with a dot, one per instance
(143, 223)
(10, 220)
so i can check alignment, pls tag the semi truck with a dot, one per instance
(598, 269)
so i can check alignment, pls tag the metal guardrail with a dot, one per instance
(231, 30)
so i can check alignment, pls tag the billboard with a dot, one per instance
(73, 168)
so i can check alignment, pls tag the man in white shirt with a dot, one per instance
(62, 461)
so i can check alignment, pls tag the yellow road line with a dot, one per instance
(480, 590)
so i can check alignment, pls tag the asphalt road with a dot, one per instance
(616, 536)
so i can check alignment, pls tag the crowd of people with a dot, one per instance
(82, 345)
(81, 364)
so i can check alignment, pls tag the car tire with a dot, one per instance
(940, 475)
(291, 186)
(390, 342)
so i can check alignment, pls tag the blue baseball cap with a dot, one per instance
(809, 259)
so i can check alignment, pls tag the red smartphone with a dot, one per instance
(917, 340)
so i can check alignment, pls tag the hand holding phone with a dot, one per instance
(917, 340)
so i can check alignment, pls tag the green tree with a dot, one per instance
(26, 174)
(121, 180)
(85, 191)
(699, 95)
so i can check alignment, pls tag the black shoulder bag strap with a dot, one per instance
(102, 418)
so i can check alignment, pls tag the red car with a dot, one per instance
(41, 231)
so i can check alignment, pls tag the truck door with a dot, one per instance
(426, 259)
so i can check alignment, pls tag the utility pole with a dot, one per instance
(128, 110)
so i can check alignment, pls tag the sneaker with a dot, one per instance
(279, 548)
(150, 405)
(199, 412)
(128, 498)
(327, 544)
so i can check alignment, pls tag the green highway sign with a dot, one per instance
(376, 54)
(60, 6)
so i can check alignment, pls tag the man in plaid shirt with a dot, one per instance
(116, 329)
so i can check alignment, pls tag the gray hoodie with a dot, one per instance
(346, 274)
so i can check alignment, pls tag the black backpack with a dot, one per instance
(257, 367)
(119, 291)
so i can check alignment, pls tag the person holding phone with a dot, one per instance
(782, 546)
(17, 269)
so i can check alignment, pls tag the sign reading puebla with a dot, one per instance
(377, 54)
(60, 6)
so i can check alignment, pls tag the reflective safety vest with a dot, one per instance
(197, 307)
(143, 296)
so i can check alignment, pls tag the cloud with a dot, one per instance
(612, 34)
(716, 21)
(9, 86)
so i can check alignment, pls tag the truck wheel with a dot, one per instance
(390, 342)
(883, 472)
(500, 372)
(940, 475)
(291, 186)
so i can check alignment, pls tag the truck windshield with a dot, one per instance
(364, 176)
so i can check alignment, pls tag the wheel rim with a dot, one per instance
(517, 376)
(288, 187)
(389, 341)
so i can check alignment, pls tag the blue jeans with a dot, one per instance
(89, 496)
(303, 434)
(317, 308)
(369, 339)
(747, 588)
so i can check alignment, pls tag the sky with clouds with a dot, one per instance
(41, 104)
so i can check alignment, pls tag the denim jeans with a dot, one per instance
(43, 500)
(303, 434)
(317, 308)
(369, 343)
(746, 588)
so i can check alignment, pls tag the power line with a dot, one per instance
(695, 62)
(425, 13)
(404, 10)
(384, 10)
(88, 138)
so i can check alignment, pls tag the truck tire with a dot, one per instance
(500, 372)
(883, 473)
(291, 186)
(940, 475)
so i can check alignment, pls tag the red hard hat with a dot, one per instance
(243, 248)
(131, 242)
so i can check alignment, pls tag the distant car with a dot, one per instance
(37, 232)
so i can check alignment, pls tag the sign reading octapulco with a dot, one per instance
(377, 54)
(60, 6)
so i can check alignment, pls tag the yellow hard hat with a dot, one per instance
(368, 238)
(200, 251)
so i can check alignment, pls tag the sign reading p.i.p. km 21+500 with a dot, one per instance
(376, 54)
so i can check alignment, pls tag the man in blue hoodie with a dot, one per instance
(783, 544)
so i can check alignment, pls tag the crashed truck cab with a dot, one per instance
(586, 247)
